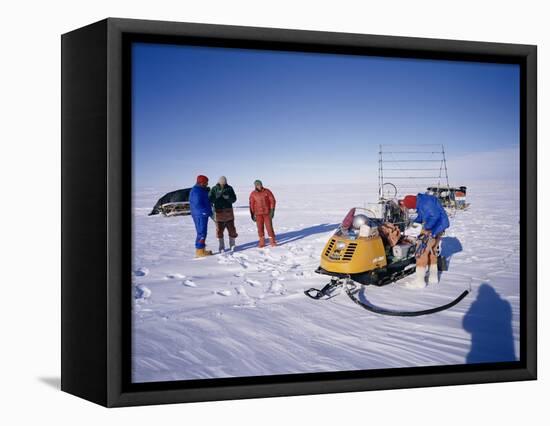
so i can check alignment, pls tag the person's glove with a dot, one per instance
(272, 213)
(252, 216)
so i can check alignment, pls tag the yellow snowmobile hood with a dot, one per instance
(345, 255)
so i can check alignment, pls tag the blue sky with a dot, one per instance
(290, 117)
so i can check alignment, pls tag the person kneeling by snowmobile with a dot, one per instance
(201, 211)
(222, 198)
(434, 220)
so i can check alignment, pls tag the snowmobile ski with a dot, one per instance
(325, 292)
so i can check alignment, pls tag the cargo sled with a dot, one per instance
(450, 197)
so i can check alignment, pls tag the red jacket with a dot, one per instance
(261, 202)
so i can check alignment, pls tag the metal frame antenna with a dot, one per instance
(445, 166)
(380, 172)
(420, 164)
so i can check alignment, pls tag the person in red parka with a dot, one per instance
(262, 210)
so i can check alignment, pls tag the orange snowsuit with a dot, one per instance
(262, 203)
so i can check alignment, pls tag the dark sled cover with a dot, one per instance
(179, 196)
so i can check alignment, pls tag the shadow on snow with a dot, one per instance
(291, 236)
(449, 247)
(489, 321)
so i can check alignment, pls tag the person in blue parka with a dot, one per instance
(431, 214)
(434, 220)
(201, 211)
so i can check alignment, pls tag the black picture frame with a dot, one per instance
(96, 222)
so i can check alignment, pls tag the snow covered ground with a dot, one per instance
(245, 314)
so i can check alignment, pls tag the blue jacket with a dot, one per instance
(431, 213)
(199, 202)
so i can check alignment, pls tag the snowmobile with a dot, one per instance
(372, 248)
(357, 249)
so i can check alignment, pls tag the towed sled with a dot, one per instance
(370, 247)
(450, 197)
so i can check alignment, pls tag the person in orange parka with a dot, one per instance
(262, 210)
